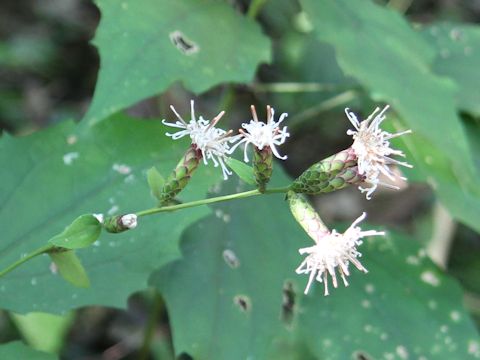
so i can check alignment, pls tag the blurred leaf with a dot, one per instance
(244, 171)
(32, 52)
(147, 45)
(458, 57)
(457, 190)
(68, 170)
(278, 16)
(17, 350)
(81, 233)
(155, 181)
(70, 268)
(239, 269)
(44, 332)
(377, 46)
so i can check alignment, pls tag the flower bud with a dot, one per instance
(180, 176)
(129, 221)
(120, 223)
(333, 173)
(262, 166)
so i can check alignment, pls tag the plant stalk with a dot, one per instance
(39, 251)
(217, 199)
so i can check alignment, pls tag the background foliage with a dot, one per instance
(218, 282)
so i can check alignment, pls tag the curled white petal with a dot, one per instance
(372, 148)
(332, 253)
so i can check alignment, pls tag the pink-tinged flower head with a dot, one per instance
(372, 148)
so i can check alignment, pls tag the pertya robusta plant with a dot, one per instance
(366, 163)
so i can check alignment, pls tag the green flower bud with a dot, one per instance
(333, 173)
(180, 176)
(120, 223)
(262, 166)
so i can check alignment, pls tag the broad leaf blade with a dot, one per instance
(458, 56)
(147, 45)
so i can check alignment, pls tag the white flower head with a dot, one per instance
(372, 148)
(262, 134)
(129, 221)
(334, 251)
(214, 143)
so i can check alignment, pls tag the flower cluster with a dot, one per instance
(215, 143)
(372, 148)
(368, 159)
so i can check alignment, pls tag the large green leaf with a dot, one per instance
(235, 295)
(142, 49)
(377, 46)
(17, 350)
(458, 57)
(68, 170)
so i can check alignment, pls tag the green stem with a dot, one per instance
(255, 7)
(150, 328)
(241, 195)
(33, 254)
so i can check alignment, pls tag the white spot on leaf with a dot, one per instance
(455, 316)
(231, 258)
(72, 139)
(122, 169)
(402, 352)
(68, 158)
(430, 278)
